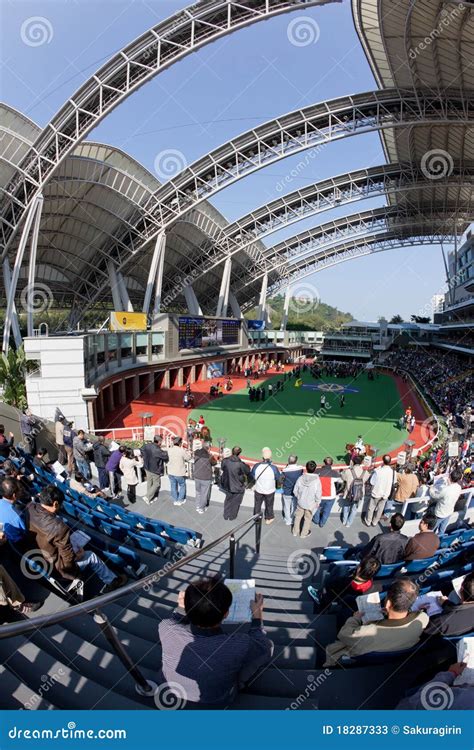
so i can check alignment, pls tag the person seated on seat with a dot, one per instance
(456, 619)
(25, 490)
(11, 518)
(5, 443)
(460, 696)
(11, 598)
(193, 637)
(389, 547)
(399, 630)
(53, 538)
(80, 484)
(41, 460)
(426, 542)
(342, 587)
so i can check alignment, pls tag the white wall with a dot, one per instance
(61, 378)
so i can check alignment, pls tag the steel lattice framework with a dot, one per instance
(137, 63)
(301, 252)
(311, 127)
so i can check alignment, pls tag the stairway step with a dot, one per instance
(68, 688)
(16, 695)
(289, 683)
(92, 661)
(250, 702)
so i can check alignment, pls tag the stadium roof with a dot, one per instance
(102, 207)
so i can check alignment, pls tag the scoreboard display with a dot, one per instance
(201, 333)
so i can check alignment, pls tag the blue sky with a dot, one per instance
(213, 95)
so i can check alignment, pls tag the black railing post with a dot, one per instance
(142, 686)
(258, 534)
(232, 556)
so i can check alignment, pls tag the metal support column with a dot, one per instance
(114, 286)
(16, 272)
(7, 278)
(157, 257)
(32, 267)
(223, 301)
(191, 301)
(126, 304)
(286, 308)
(263, 297)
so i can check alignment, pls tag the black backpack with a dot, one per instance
(356, 490)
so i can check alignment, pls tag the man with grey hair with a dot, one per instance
(290, 475)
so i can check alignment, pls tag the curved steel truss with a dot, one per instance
(157, 49)
(304, 249)
(311, 127)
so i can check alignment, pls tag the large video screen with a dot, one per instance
(200, 333)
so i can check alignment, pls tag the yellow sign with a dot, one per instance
(127, 321)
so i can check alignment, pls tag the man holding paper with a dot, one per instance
(456, 619)
(208, 664)
(396, 630)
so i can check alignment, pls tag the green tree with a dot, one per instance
(420, 319)
(13, 369)
(396, 319)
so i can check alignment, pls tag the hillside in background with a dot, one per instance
(305, 314)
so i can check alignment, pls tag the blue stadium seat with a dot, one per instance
(378, 657)
(386, 571)
(416, 566)
(333, 553)
(148, 542)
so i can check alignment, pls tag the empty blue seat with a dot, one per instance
(416, 566)
(333, 553)
(378, 657)
(389, 570)
(148, 542)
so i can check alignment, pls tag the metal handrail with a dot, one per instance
(21, 628)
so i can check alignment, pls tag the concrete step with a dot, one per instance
(68, 688)
(17, 695)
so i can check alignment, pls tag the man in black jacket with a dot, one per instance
(233, 481)
(389, 547)
(456, 619)
(154, 460)
(101, 456)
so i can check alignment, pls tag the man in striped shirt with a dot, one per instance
(201, 663)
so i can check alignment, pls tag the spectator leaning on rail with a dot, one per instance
(53, 537)
(289, 475)
(266, 477)
(445, 492)
(398, 631)
(307, 491)
(202, 473)
(331, 483)
(383, 481)
(354, 478)
(234, 478)
(178, 458)
(154, 460)
(193, 637)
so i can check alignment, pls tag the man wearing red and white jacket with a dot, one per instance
(331, 484)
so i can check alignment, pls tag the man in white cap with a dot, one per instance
(267, 477)
(202, 472)
(233, 481)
